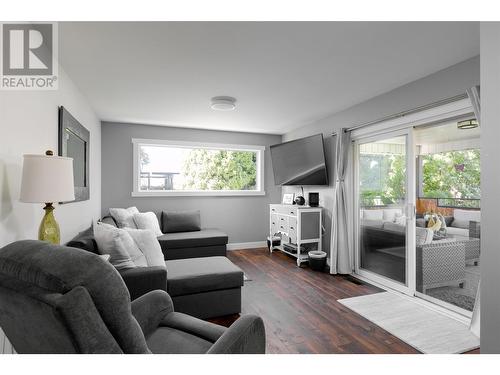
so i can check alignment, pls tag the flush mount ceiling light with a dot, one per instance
(468, 124)
(223, 103)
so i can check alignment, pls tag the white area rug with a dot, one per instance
(419, 326)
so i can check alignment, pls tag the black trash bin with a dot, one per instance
(317, 260)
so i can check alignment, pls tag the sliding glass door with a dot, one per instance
(448, 189)
(385, 204)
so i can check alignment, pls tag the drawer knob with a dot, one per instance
(291, 227)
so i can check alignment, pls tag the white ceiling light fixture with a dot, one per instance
(223, 103)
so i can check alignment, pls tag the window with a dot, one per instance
(382, 173)
(192, 168)
(453, 177)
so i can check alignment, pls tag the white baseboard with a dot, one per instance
(246, 245)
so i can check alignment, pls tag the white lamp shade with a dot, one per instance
(47, 179)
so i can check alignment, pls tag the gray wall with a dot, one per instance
(28, 125)
(443, 84)
(490, 187)
(243, 218)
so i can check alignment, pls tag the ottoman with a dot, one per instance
(205, 287)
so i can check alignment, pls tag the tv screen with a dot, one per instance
(300, 162)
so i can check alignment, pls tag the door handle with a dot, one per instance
(411, 211)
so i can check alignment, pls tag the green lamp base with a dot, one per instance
(49, 229)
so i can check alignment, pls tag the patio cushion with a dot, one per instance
(391, 213)
(373, 214)
(462, 218)
(423, 236)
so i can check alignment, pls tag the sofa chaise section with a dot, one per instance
(195, 244)
(205, 287)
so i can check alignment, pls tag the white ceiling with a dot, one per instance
(284, 75)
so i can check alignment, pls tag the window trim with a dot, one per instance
(137, 142)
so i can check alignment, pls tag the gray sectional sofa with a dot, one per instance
(200, 279)
(177, 243)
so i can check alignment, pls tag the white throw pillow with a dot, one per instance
(124, 217)
(400, 220)
(389, 214)
(119, 245)
(461, 218)
(148, 220)
(149, 245)
(423, 236)
(373, 214)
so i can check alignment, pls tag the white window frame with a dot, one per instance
(137, 142)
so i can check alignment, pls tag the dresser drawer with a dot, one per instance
(284, 210)
(274, 224)
(282, 223)
(292, 223)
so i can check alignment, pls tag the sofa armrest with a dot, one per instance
(142, 280)
(150, 309)
(246, 336)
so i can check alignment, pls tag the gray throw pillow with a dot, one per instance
(181, 221)
(448, 220)
(420, 223)
(464, 224)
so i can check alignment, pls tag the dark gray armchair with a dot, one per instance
(56, 299)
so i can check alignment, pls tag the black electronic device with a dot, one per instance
(300, 162)
(314, 199)
(299, 200)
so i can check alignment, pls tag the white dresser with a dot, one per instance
(298, 226)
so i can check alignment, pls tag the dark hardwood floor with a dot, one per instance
(300, 309)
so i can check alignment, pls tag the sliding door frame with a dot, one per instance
(393, 128)
(409, 211)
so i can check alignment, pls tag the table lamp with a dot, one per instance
(47, 179)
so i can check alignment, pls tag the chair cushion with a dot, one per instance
(166, 340)
(200, 328)
(180, 221)
(204, 237)
(197, 275)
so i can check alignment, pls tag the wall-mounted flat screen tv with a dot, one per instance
(300, 162)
